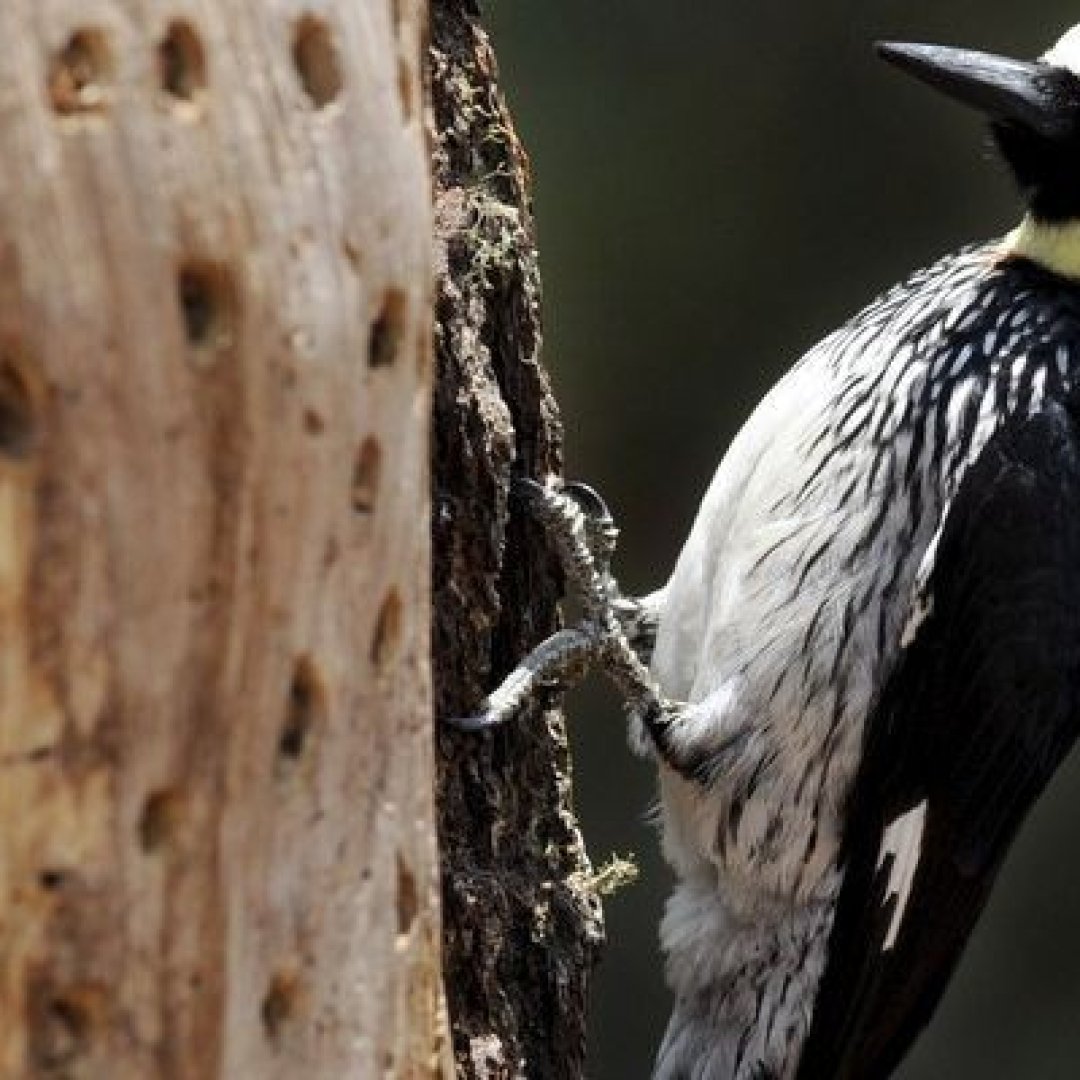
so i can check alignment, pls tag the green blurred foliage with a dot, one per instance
(717, 186)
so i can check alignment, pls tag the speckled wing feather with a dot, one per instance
(980, 710)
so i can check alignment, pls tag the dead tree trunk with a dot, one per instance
(216, 846)
(521, 920)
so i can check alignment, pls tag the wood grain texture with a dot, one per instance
(216, 850)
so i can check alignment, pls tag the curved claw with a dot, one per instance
(527, 488)
(484, 721)
(590, 500)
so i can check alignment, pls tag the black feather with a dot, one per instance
(977, 716)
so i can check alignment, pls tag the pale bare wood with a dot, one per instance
(216, 845)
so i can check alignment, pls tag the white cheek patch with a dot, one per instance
(903, 841)
(1066, 53)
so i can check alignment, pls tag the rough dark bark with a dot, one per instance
(522, 924)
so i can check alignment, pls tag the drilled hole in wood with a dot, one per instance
(425, 347)
(80, 73)
(280, 1002)
(366, 473)
(62, 1023)
(408, 899)
(304, 711)
(406, 89)
(18, 414)
(52, 880)
(72, 1017)
(316, 59)
(207, 300)
(182, 61)
(384, 642)
(160, 823)
(354, 254)
(388, 328)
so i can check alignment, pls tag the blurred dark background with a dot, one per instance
(717, 185)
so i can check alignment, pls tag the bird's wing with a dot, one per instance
(982, 707)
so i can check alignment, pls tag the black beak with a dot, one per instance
(1006, 90)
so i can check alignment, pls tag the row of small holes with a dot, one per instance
(78, 78)
(384, 344)
(208, 304)
(80, 73)
(78, 82)
(70, 1022)
(305, 712)
(63, 1026)
(208, 301)
(163, 811)
(285, 990)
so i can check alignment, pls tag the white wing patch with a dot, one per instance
(922, 602)
(903, 841)
(1066, 53)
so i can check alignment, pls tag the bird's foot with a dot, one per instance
(615, 633)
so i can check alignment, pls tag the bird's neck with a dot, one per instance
(1053, 245)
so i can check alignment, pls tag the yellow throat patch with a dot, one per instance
(1055, 247)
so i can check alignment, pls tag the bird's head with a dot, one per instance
(1034, 111)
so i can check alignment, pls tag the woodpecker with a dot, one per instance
(866, 664)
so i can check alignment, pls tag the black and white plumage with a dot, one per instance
(875, 625)
(882, 663)
(867, 659)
